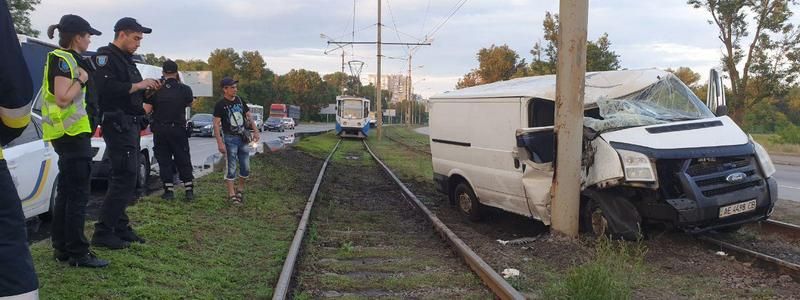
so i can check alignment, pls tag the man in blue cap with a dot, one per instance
(121, 91)
(18, 277)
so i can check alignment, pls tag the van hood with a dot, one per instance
(711, 132)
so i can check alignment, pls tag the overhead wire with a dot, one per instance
(455, 10)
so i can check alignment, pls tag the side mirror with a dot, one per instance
(722, 110)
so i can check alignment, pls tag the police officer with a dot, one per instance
(17, 278)
(65, 123)
(121, 91)
(168, 107)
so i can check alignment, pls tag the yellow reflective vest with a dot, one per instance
(71, 120)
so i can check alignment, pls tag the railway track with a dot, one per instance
(391, 252)
(789, 232)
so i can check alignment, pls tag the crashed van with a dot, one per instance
(653, 152)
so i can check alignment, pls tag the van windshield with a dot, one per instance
(667, 100)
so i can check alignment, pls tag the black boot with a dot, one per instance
(129, 236)
(60, 256)
(168, 193)
(110, 241)
(189, 186)
(88, 261)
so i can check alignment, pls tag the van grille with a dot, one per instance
(708, 174)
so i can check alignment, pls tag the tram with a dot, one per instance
(352, 117)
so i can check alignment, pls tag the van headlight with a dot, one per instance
(637, 166)
(764, 160)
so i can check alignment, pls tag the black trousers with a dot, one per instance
(17, 275)
(121, 134)
(172, 151)
(69, 216)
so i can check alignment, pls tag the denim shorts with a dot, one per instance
(238, 152)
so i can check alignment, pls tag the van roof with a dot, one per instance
(607, 84)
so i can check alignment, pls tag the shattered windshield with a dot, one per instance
(667, 100)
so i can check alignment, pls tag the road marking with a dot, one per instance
(789, 187)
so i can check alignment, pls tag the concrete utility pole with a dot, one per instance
(408, 94)
(570, 84)
(379, 104)
(344, 82)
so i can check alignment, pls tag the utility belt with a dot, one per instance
(122, 122)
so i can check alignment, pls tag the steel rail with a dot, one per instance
(494, 281)
(285, 279)
(782, 228)
(784, 266)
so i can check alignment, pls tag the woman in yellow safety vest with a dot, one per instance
(65, 124)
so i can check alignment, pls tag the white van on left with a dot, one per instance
(32, 162)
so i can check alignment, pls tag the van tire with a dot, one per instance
(592, 221)
(48, 216)
(467, 202)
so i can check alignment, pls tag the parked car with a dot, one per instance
(288, 123)
(274, 124)
(202, 124)
(258, 119)
(653, 153)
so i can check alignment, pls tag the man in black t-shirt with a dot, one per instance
(168, 107)
(232, 124)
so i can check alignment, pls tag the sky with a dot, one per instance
(293, 34)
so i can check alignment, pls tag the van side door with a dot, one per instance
(535, 154)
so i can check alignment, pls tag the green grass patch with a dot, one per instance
(205, 249)
(610, 275)
(774, 145)
(318, 146)
(408, 164)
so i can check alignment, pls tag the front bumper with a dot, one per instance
(202, 131)
(695, 201)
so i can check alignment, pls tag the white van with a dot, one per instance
(653, 153)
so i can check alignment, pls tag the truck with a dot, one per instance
(285, 111)
(652, 153)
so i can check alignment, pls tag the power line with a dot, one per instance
(353, 37)
(396, 31)
(457, 7)
(425, 20)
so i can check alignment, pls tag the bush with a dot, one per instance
(788, 135)
(609, 276)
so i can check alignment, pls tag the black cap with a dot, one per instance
(227, 81)
(169, 66)
(129, 23)
(76, 24)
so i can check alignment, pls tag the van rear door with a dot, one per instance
(535, 155)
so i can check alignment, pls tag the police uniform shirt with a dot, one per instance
(170, 101)
(71, 146)
(116, 73)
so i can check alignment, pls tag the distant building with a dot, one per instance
(396, 83)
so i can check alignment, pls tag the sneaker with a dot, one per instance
(130, 236)
(168, 195)
(88, 261)
(189, 195)
(60, 256)
(111, 242)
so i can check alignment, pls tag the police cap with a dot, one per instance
(169, 66)
(128, 23)
(76, 24)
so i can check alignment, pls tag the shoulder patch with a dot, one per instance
(63, 65)
(101, 60)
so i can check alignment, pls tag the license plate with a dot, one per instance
(737, 208)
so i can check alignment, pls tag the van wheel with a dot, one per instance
(143, 173)
(48, 216)
(592, 219)
(467, 202)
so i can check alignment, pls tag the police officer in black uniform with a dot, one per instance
(121, 92)
(168, 107)
(17, 276)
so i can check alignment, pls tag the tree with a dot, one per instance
(20, 13)
(306, 89)
(689, 77)
(152, 59)
(223, 62)
(770, 61)
(599, 56)
(494, 64)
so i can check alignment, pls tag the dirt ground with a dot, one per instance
(366, 241)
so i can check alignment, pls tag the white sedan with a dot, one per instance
(288, 123)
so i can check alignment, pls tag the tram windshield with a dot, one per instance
(352, 109)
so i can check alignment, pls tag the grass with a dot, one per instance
(206, 249)
(768, 141)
